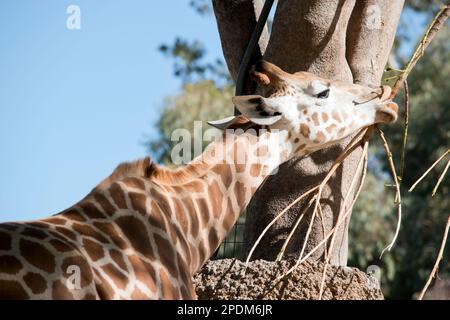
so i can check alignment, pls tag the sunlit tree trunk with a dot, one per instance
(338, 39)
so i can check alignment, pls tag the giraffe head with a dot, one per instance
(316, 112)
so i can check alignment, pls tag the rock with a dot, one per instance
(225, 279)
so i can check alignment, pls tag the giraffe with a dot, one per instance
(145, 230)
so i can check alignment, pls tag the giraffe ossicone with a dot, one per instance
(145, 230)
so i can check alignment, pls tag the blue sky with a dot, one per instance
(75, 103)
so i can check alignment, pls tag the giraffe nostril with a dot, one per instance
(277, 113)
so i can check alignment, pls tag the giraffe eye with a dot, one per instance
(324, 94)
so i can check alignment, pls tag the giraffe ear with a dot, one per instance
(256, 109)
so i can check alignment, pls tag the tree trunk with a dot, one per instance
(337, 39)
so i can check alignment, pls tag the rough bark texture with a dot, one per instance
(224, 280)
(332, 39)
(368, 46)
(236, 19)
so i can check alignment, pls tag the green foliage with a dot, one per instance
(202, 7)
(407, 266)
(424, 216)
(201, 101)
(190, 65)
(371, 226)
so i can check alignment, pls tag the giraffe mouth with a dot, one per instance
(387, 112)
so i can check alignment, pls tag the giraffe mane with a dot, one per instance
(138, 168)
(185, 174)
(146, 168)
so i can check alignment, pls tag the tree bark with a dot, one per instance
(336, 39)
(236, 20)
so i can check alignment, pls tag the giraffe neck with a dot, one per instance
(227, 175)
(144, 231)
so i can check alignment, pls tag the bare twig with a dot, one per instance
(441, 177)
(429, 169)
(435, 25)
(438, 259)
(322, 220)
(354, 143)
(398, 198)
(288, 239)
(338, 223)
(275, 220)
(341, 212)
(405, 129)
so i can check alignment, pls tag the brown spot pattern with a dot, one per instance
(61, 292)
(168, 291)
(118, 259)
(60, 245)
(74, 215)
(85, 269)
(336, 116)
(213, 240)
(190, 211)
(119, 279)
(94, 250)
(118, 195)
(12, 290)
(34, 233)
(255, 170)
(304, 130)
(214, 194)
(138, 202)
(109, 229)
(9, 226)
(203, 210)
(166, 254)
(134, 183)
(331, 128)
(315, 118)
(104, 290)
(156, 216)
(229, 219)
(239, 191)
(5, 241)
(91, 210)
(320, 137)
(37, 255)
(10, 264)
(104, 203)
(66, 232)
(56, 221)
(35, 282)
(134, 230)
(88, 231)
(262, 151)
(224, 171)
